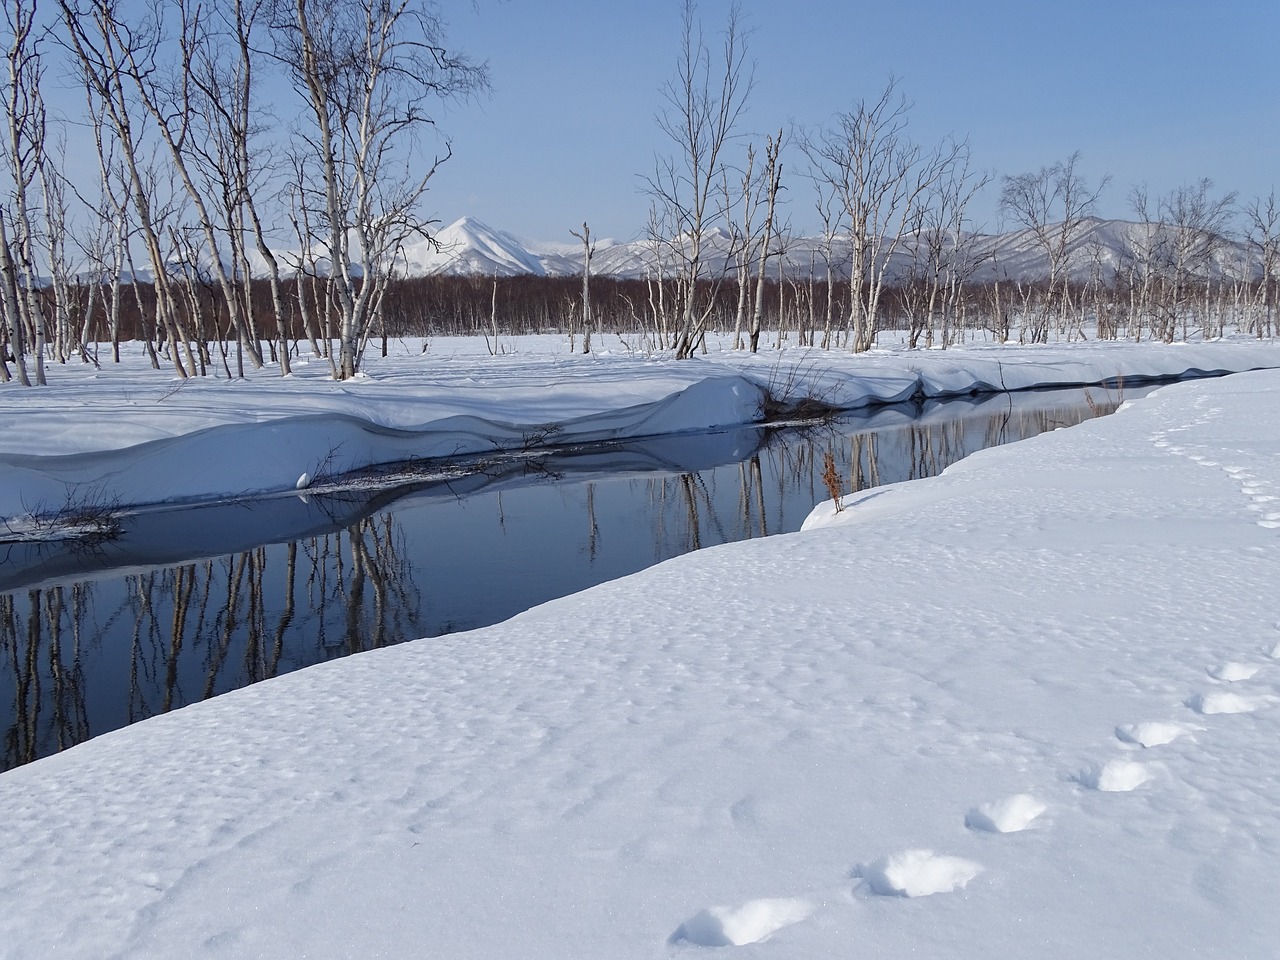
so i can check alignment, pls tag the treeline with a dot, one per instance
(804, 311)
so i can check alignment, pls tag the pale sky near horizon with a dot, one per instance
(1154, 92)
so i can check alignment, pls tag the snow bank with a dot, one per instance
(134, 436)
(813, 745)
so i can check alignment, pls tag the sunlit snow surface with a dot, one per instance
(1025, 709)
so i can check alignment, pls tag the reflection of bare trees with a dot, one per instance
(864, 461)
(40, 639)
(81, 659)
(593, 526)
(196, 630)
(752, 521)
(362, 572)
(932, 448)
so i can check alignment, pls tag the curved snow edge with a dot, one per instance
(232, 461)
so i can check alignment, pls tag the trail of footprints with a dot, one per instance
(1264, 498)
(922, 873)
(919, 873)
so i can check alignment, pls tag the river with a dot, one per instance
(193, 602)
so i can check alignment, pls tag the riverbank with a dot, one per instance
(97, 441)
(1026, 708)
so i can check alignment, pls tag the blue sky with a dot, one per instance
(1155, 92)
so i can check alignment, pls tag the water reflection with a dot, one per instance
(192, 603)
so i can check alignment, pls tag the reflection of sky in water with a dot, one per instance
(95, 640)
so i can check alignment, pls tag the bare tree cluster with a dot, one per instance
(196, 172)
(217, 130)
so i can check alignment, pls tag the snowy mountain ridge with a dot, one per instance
(469, 247)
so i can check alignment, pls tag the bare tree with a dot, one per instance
(746, 239)
(105, 44)
(1182, 232)
(588, 251)
(1262, 219)
(215, 91)
(772, 184)
(1051, 204)
(704, 104)
(945, 254)
(880, 177)
(23, 154)
(188, 121)
(831, 213)
(367, 71)
(11, 332)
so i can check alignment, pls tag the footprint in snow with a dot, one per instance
(1009, 815)
(1232, 671)
(917, 873)
(750, 922)
(1115, 776)
(1222, 701)
(1152, 733)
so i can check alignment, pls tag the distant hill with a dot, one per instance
(469, 247)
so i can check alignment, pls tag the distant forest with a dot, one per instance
(805, 311)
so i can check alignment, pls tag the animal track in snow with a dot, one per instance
(1260, 493)
(1115, 776)
(917, 873)
(1222, 701)
(751, 922)
(1009, 815)
(1152, 733)
(1232, 671)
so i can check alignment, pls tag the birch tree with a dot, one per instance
(105, 43)
(772, 184)
(23, 153)
(588, 251)
(880, 178)
(1181, 233)
(1262, 234)
(367, 71)
(945, 253)
(1052, 204)
(703, 109)
(746, 241)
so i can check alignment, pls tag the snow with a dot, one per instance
(1115, 776)
(996, 713)
(136, 436)
(751, 922)
(469, 247)
(1152, 733)
(917, 873)
(1009, 815)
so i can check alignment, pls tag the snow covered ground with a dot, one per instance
(132, 435)
(1025, 709)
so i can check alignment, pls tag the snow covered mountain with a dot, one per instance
(468, 247)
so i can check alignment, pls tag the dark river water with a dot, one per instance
(190, 603)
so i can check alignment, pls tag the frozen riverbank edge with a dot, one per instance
(133, 436)
(1026, 708)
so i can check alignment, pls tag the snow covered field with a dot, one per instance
(1025, 709)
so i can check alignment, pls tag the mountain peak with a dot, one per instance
(470, 247)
